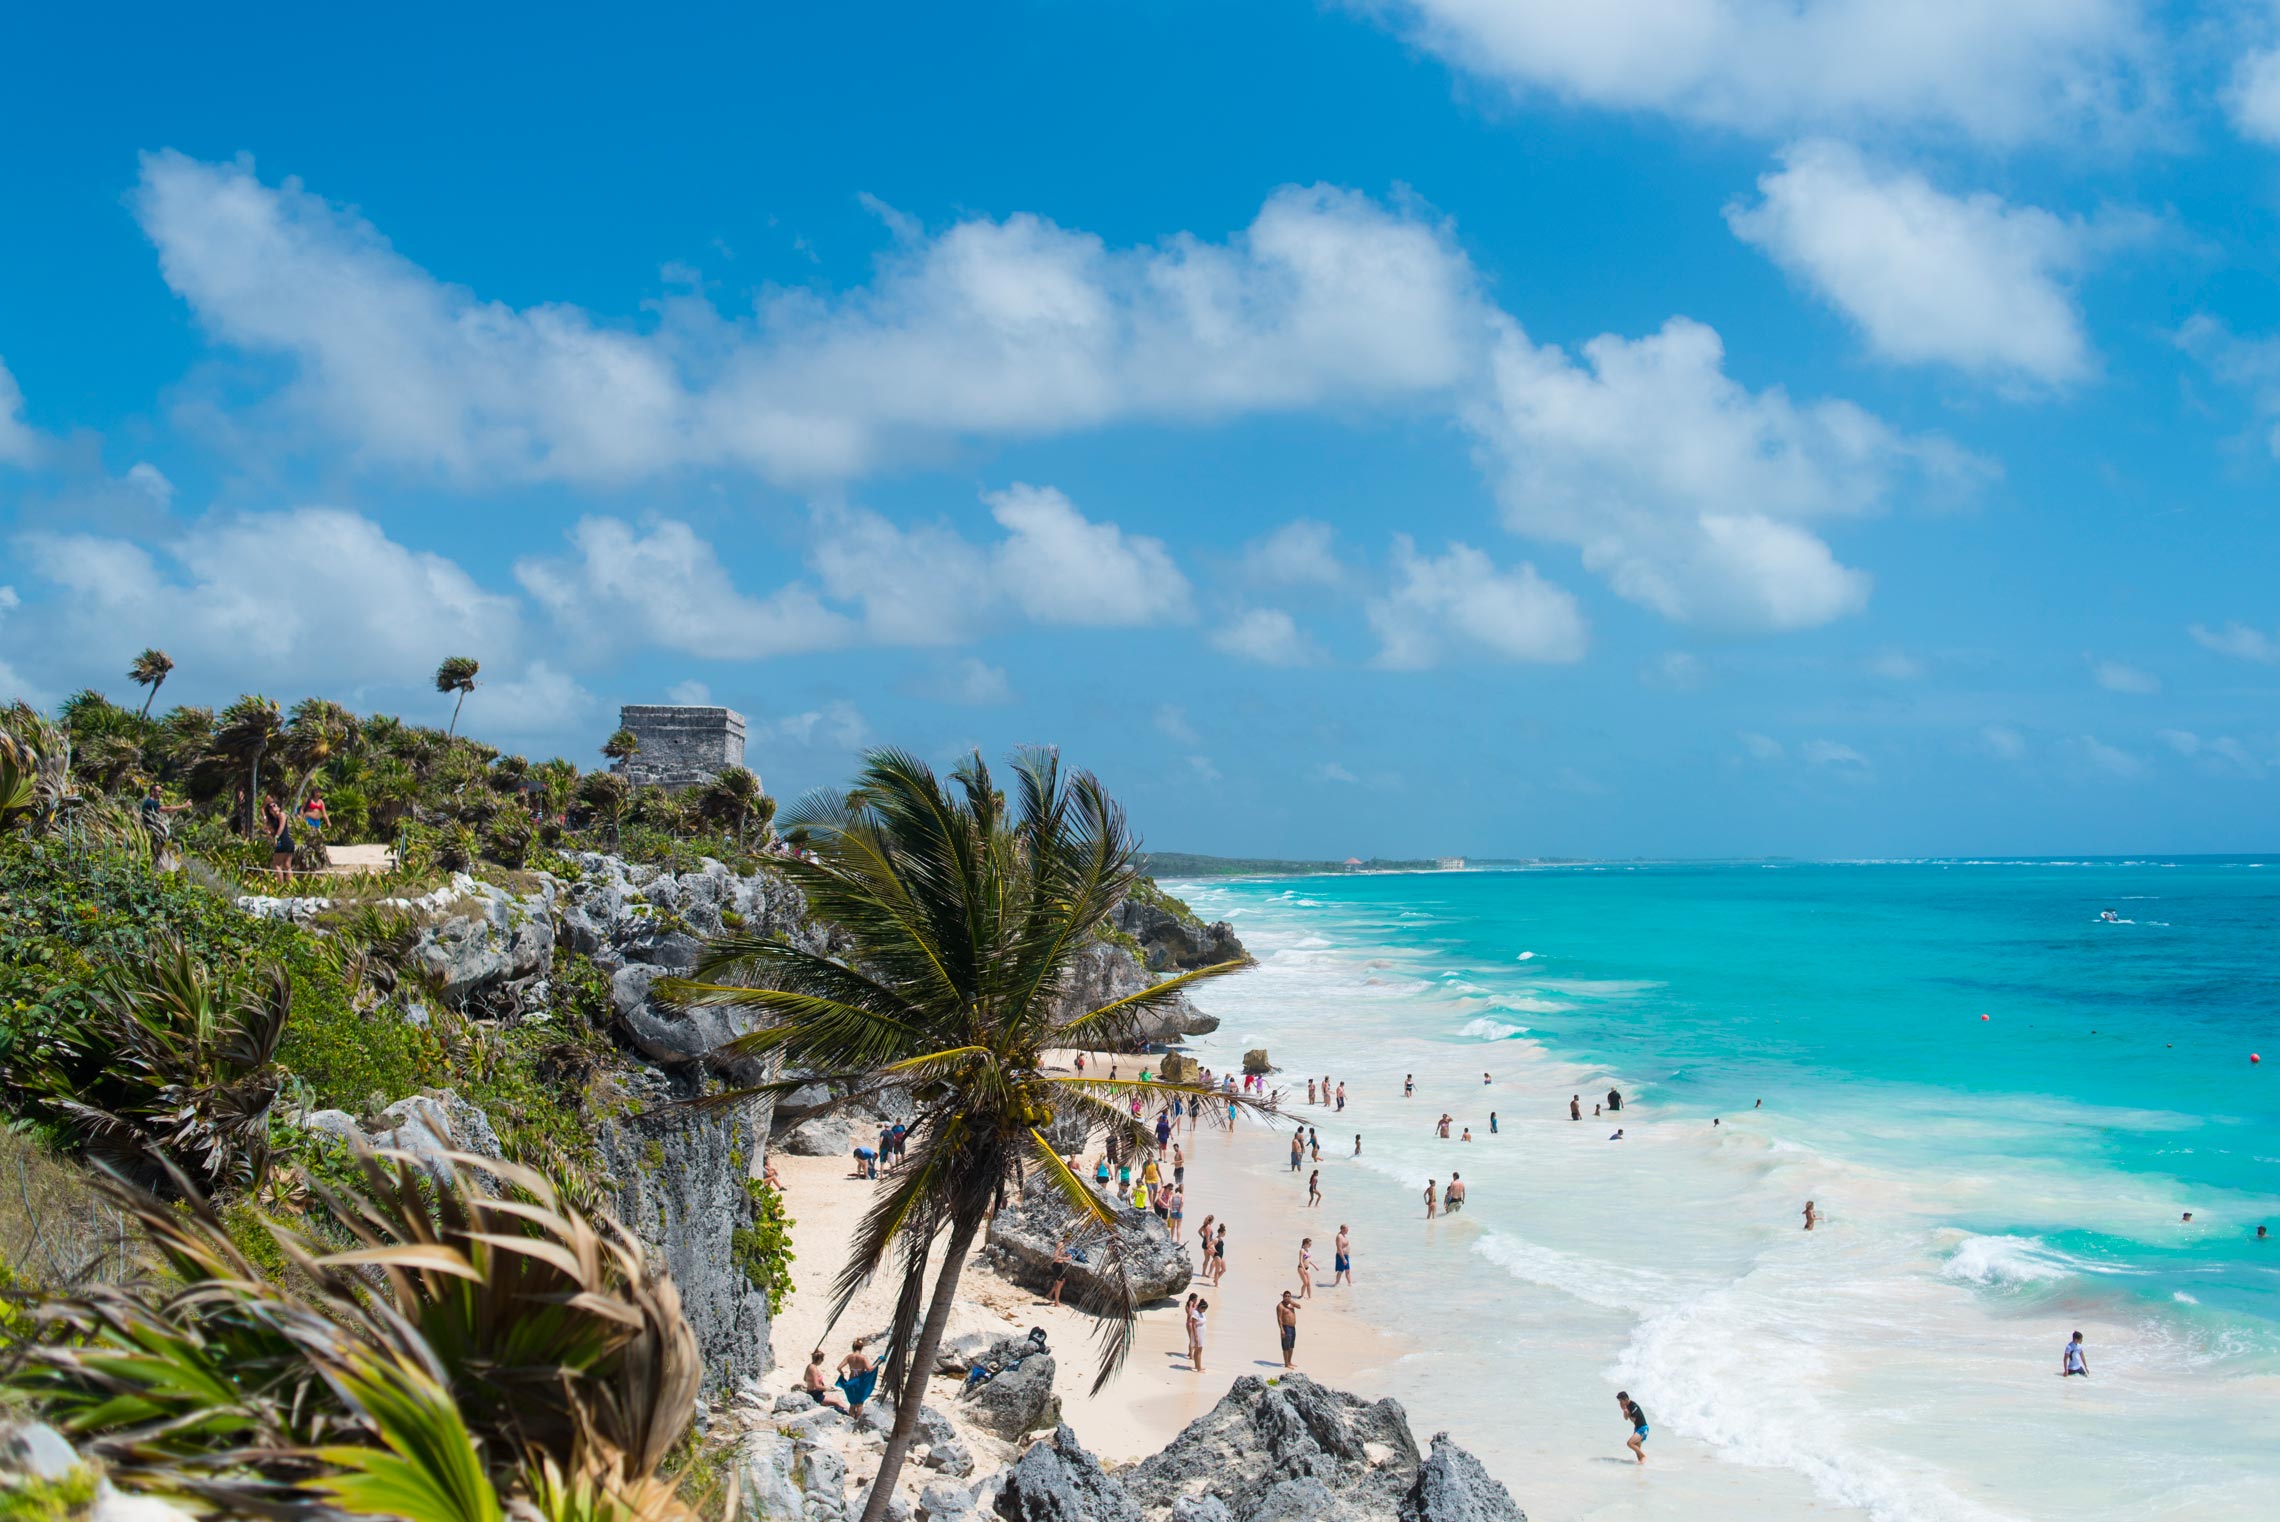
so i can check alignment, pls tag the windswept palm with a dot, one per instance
(966, 917)
(150, 669)
(457, 674)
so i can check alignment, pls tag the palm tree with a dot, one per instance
(734, 798)
(456, 674)
(621, 748)
(605, 794)
(150, 669)
(245, 733)
(965, 919)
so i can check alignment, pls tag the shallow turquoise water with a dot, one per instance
(1988, 1184)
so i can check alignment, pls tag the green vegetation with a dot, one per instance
(964, 906)
(763, 1248)
(433, 1353)
(28, 1498)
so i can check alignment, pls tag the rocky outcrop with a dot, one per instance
(1018, 1399)
(1059, 1480)
(680, 1180)
(1174, 944)
(1291, 1448)
(1104, 972)
(1024, 1235)
(425, 1125)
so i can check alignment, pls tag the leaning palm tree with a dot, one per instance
(734, 798)
(456, 674)
(966, 917)
(150, 669)
(245, 733)
(621, 748)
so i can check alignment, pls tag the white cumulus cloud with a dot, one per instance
(1928, 277)
(2003, 742)
(2239, 641)
(991, 328)
(1303, 552)
(20, 443)
(2254, 98)
(2120, 676)
(2004, 73)
(1268, 636)
(1831, 753)
(1684, 488)
(1459, 602)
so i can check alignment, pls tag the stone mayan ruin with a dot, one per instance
(681, 746)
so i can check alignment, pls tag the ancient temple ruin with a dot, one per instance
(680, 745)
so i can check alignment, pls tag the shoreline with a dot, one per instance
(1231, 1174)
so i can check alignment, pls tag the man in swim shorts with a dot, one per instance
(1454, 1200)
(2071, 1361)
(1286, 1318)
(1343, 1260)
(1637, 1442)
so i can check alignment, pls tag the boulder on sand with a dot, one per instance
(1255, 1062)
(1025, 1233)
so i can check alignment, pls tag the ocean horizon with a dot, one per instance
(2002, 1102)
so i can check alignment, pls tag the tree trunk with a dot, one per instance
(152, 696)
(454, 729)
(913, 1394)
(253, 795)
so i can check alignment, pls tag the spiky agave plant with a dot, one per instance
(171, 1061)
(966, 917)
(471, 1354)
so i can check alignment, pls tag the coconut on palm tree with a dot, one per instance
(456, 674)
(150, 669)
(966, 918)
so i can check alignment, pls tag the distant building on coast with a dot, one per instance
(680, 745)
(1449, 863)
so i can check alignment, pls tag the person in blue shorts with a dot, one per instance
(1637, 1442)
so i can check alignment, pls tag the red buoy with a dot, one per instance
(1982, 1017)
(2253, 1057)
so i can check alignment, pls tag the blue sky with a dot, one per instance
(1662, 427)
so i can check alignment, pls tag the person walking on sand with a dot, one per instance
(2071, 1360)
(1179, 1164)
(1306, 1268)
(1432, 1200)
(1286, 1320)
(1297, 1151)
(1810, 1217)
(1342, 1258)
(1637, 1441)
(1195, 1335)
(1314, 1189)
(1060, 1270)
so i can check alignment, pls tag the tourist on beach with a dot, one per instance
(1306, 1268)
(1163, 1131)
(818, 1386)
(1297, 1152)
(1179, 1164)
(1195, 1335)
(2070, 1359)
(280, 833)
(1060, 1270)
(1219, 1253)
(1310, 1091)
(2260, 1234)
(1176, 1210)
(1637, 1442)
(1810, 1217)
(1080, 1064)
(1618, 1136)
(1467, 1136)
(857, 1376)
(1441, 1127)
(1286, 1318)
(1454, 1200)
(1575, 1107)
(1342, 1258)
(1357, 1144)
(1484, 1080)
(1124, 1178)
(866, 1164)
(1595, 1111)
(1614, 1100)
(1408, 1085)
(1140, 1195)
(1187, 1320)
(1432, 1199)
(1341, 1098)
(1314, 1188)
(1100, 1173)
(1492, 1122)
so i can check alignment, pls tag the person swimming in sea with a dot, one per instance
(1618, 1136)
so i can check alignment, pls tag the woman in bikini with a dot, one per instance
(1314, 1188)
(1306, 1268)
(1432, 1201)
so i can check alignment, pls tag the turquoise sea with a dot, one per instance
(1987, 1185)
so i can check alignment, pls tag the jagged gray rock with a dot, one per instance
(945, 1503)
(1452, 1486)
(1103, 972)
(1023, 1236)
(1292, 1449)
(1201, 1509)
(488, 938)
(680, 1180)
(1174, 944)
(425, 1125)
(830, 1135)
(1020, 1400)
(1057, 1480)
